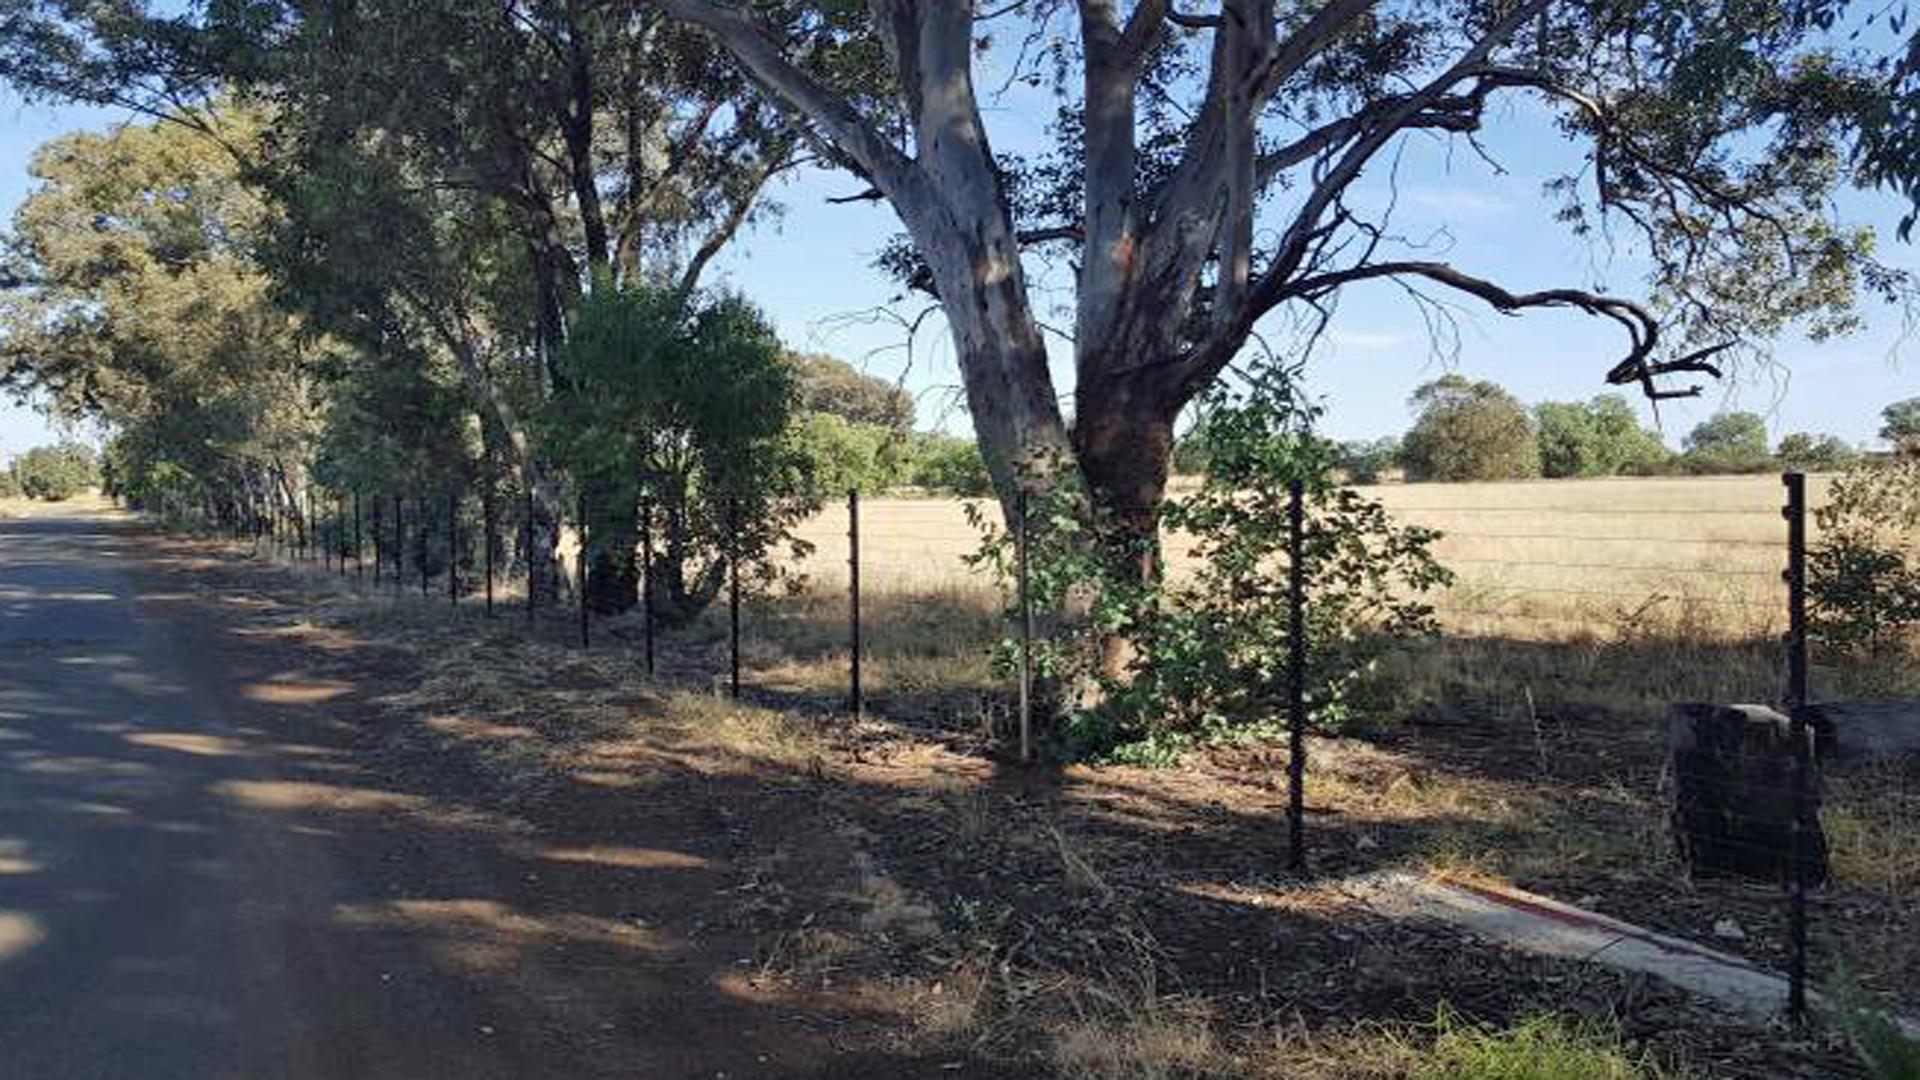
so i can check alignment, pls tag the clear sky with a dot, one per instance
(812, 270)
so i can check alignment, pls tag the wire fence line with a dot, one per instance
(475, 545)
(475, 542)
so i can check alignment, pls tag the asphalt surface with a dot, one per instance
(149, 924)
(211, 865)
(226, 853)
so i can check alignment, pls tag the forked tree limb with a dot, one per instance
(1642, 326)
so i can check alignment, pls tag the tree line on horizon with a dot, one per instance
(1476, 430)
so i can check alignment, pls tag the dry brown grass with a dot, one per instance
(1535, 559)
(90, 502)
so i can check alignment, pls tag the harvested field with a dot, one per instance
(1538, 559)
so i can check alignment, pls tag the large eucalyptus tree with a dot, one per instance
(1207, 156)
(456, 174)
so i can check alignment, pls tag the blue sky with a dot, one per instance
(811, 269)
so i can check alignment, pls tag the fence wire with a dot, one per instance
(486, 545)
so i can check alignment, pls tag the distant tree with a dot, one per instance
(837, 455)
(950, 464)
(1808, 452)
(1602, 437)
(55, 473)
(1728, 442)
(827, 384)
(1469, 430)
(1367, 461)
(1902, 422)
(147, 312)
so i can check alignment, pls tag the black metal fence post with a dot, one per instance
(359, 543)
(341, 535)
(733, 594)
(399, 543)
(453, 544)
(487, 526)
(1796, 515)
(858, 701)
(1021, 538)
(582, 574)
(646, 582)
(526, 552)
(1296, 675)
(421, 529)
(379, 549)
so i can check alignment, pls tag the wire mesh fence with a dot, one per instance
(890, 577)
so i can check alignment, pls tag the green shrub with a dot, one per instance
(1469, 430)
(683, 403)
(1602, 437)
(1728, 443)
(1863, 575)
(55, 473)
(1807, 452)
(1367, 462)
(1209, 653)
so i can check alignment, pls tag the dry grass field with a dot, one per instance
(89, 502)
(1534, 559)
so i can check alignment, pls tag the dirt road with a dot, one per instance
(215, 863)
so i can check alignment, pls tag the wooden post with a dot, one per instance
(453, 545)
(733, 594)
(420, 504)
(526, 552)
(487, 525)
(581, 574)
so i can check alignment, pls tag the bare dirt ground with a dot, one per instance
(644, 879)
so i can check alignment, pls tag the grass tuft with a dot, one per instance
(1538, 1048)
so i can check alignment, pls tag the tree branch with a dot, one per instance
(761, 55)
(1643, 329)
(1273, 285)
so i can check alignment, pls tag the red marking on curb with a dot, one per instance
(1576, 917)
